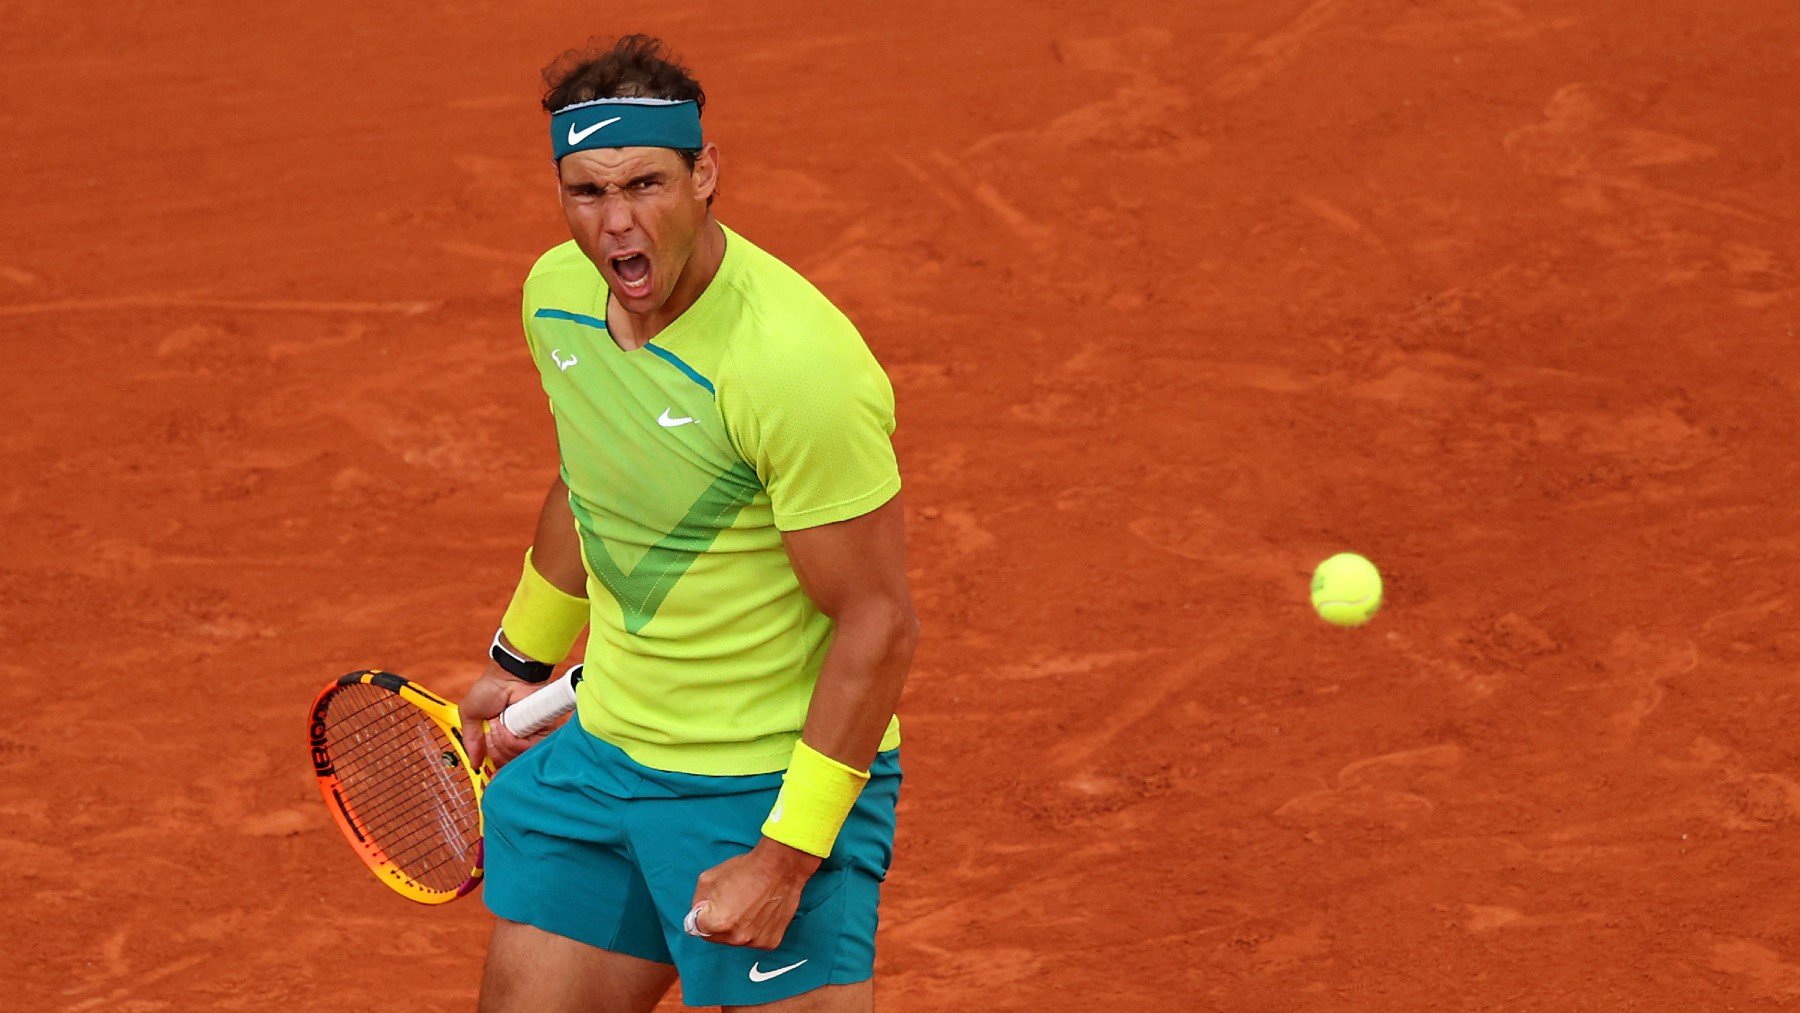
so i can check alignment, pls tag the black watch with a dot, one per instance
(518, 665)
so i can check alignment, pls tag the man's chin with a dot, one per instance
(638, 306)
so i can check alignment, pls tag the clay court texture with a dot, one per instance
(1178, 299)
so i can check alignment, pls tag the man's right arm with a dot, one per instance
(556, 547)
(556, 556)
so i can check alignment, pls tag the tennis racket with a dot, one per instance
(391, 764)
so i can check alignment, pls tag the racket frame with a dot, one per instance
(444, 714)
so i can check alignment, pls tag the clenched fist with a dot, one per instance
(749, 900)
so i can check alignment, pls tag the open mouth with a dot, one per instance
(633, 272)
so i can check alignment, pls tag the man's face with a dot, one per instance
(637, 213)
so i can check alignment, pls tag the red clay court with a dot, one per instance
(1178, 300)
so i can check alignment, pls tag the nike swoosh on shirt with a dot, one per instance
(577, 136)
(666, 422)
(761, 976)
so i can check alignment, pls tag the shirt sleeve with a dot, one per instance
(527, 309)
(815, 421)
(525, 324)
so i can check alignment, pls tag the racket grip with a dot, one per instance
(536, 712)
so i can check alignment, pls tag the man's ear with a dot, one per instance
(706, 172)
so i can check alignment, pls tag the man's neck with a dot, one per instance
(702, 267)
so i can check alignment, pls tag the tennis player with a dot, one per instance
(728, 520)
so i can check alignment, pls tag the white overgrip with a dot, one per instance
(538, 711)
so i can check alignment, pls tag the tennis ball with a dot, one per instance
(1346, 590)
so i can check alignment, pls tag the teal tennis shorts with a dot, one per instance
(586, 843)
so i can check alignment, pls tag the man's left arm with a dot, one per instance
(855, 572)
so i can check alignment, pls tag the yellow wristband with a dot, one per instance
(816, 795)
(543, 620)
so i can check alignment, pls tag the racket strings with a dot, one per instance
(407, 794)
(404, 784)
(415, 823)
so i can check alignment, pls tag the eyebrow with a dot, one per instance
(589, 186)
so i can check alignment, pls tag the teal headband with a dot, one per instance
(625, 123)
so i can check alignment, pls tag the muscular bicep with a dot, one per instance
(860, 562)
(556, 546)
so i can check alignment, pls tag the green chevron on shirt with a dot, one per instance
(641, 591)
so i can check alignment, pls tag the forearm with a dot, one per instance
(860, 683)
(542, 620)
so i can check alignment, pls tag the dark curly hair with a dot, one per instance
(635, 66)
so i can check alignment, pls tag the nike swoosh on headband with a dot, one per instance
(577, 136)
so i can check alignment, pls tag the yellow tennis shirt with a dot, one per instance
(759, 410)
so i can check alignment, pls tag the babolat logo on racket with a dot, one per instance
(321, 756)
